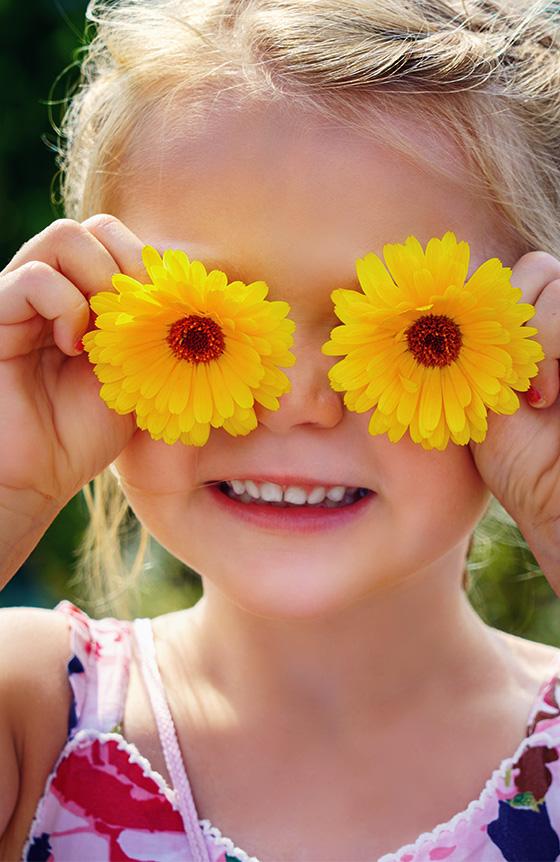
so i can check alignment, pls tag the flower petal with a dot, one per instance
(430, 401)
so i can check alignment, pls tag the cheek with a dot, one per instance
(440, 492)
(154, 467)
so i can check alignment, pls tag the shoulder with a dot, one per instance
(35, 699)
(60, 670)
(541, 661)
(535, 678)
(34, 649)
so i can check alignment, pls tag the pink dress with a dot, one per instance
(103, 801)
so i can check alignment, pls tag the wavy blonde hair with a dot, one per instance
(484, 72)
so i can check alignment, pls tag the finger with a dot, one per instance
(537, 274)
(532, 272)
(547, 321)
(35, 288)
(123, 245)
(73, 251)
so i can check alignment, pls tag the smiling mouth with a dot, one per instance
(292, 496)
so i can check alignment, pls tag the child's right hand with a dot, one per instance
(56, 433)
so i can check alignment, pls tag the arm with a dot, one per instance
(35, 699)
(544, 541)
(24, 518)
(519, 460)
(56, 433)
(10, 770)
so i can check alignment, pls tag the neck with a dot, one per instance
(402, 642)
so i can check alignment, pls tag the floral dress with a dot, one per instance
(103, 802)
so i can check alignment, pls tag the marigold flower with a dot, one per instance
(428, 351)
(189, 351)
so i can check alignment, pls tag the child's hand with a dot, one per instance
(55, 432)
(519, 459)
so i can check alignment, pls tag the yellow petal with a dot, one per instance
(390, 398)
(379, 423)
(508, 401)
(156, 376)
(448, 260)
(454, 412)
(198, 436)
(407, 406)
(162, 398)
(403, 260)
(396, 432)
(109, 374)
(430, 401)
(477, 377)
(125, 402)
(179, 396)
(237, 387)
(155, 422)
(375, 280)
(202, 399)
(220, 393)
(460, 384)
(171, 432)
(151, 259)
(124, 283)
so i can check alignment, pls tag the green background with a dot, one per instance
(507, 589)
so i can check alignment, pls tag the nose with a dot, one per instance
(310, 401)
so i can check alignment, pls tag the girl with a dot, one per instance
(332, 696)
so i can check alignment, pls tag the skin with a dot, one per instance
(272, 195)
(312, 661)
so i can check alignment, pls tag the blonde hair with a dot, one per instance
(487, 71)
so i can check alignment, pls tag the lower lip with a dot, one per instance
(306, 519)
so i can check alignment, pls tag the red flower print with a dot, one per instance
(533, 775)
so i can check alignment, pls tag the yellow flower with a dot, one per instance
(428, 351)
(189, 351)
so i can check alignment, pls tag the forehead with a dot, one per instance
(270, 188)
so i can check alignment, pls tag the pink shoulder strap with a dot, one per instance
(168, 737)
(98, 669)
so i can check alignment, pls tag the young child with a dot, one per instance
(333, 697)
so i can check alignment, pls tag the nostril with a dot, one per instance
(309, 402)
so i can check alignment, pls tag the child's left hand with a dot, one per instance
(519, 460)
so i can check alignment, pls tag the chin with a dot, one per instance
(296, 589)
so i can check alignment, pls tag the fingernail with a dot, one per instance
(79, 346)
(534, 397)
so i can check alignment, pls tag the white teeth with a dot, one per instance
(336, 493)
(293, 494)
(252, 489)
(248, 491)
(271, 493)
(317, 495)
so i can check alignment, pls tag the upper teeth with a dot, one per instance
(272, 493)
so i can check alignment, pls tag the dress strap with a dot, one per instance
(98, 669)
(168, 738)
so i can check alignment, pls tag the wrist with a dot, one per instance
(25, 515)
(544, 541)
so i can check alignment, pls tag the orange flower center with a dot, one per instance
(196, 339)
(434, 340)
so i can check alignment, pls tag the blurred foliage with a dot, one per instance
(38, 55)
(506, 589)
(35, 49)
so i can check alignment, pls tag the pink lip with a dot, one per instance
(299, 481)
(292, 520)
